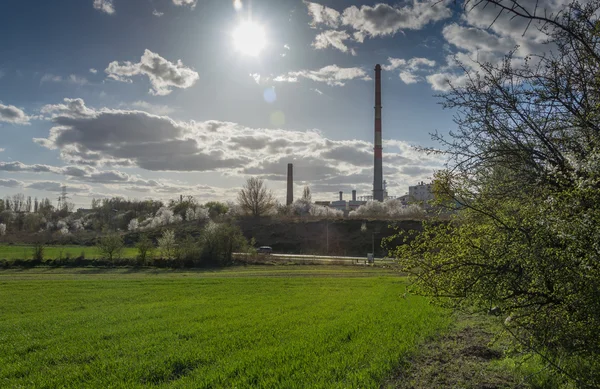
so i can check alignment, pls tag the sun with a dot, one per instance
(249, 38)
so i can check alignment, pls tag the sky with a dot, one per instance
(157, 98)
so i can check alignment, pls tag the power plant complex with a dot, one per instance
(379, 185)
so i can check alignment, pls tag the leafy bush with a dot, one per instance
(145, 249)
(111, 246)
(38, 251)
(219, 241)
(188, 251)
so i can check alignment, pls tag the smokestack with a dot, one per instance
(354, 195)
(341, 196)
(290, 184)
(378, 168)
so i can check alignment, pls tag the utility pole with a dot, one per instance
(327, 232)
(373, 242)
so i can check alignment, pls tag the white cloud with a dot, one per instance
(94, 137)
(13, 115)
(284, 78)
(379, 20)
(318, 91)
(93, 71)
(10, 183)
(163, 75)
(1, 150)
(323, 15)
(332, 38)
(383, 19)
(408, 77)
(190, 3)
(256, 77)
(157, 14)
(53, 186)
(161, 110)
(443, 81)
(486, 35)
(332, 75)
(411, 71)
(104, 6)
(71, 79)
(92, 175)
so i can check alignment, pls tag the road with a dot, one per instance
(319, 258)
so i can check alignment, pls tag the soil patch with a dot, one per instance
(463, 358)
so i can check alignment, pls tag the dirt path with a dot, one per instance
(464, 358)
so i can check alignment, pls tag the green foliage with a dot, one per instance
(111, 246)
(11, 252)
(252, 250)
(188, 250)
(145, 248)
(219, 241)
(231, 329)
(216, 208)
(38, 252)
(167, 244)
(524, 171)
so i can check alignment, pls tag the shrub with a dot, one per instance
(111, 246)
(145, 248)
(219, 242)
(188, 250)
(38, 251)
(2, 229)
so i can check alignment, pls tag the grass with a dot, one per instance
(255, 327)
(12, 252)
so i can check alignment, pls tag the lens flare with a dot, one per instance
(269, 95)
(237, 4)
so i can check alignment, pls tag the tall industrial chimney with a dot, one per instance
(341, 196)
(290, 184)
(378, 168)
(354, 195)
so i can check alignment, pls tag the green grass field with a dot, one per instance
(11, 252)
(255, 327)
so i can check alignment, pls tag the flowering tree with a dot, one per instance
(196, 213)
(134, 225)
(390, 208)
(524, 168)
(166, 244)
(2, 229)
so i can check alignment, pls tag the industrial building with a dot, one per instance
(421, 192)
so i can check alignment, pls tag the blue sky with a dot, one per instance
(153, 98)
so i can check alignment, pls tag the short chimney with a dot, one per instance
(354, 195)
(341, 196)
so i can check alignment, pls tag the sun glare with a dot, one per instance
(249, 38)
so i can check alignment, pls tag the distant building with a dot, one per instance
(421, 192)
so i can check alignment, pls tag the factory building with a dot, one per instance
(421, 192)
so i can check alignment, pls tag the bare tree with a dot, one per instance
(255, 199)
